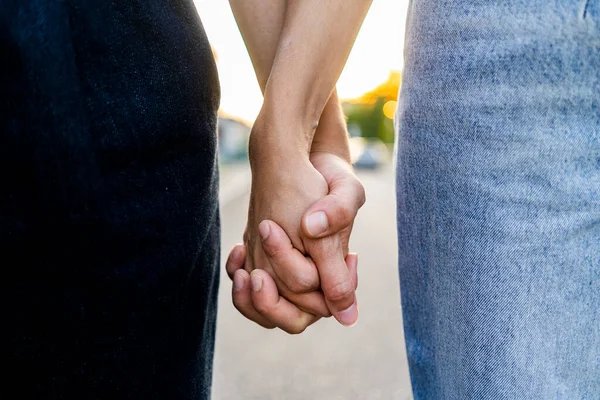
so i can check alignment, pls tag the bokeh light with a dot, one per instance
(389, 109)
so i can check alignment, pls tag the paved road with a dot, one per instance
(328, 361)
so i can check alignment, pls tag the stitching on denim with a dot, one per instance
(585, 9)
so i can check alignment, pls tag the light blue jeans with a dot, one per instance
(498, 185)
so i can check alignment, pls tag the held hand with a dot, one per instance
(257, 297)
(335, 212)
(338, 208)
(281, 193)
(284, 185)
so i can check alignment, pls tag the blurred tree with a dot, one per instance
(373, 112)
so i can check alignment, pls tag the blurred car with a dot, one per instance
(368, 153)
(233, 139)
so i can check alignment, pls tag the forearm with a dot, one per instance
(285, 181)
(331, 135)
(260, 23)
(315, 42)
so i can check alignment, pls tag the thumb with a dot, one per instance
(336, 211)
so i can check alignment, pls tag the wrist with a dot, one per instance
(331, 135)
(290, 102)
(338, 144)
(275, 143)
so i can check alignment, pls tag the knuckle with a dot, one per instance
(345, 212)
(266, 325)
(275, 252)
(324, 248)
(325, 314)
(302, 284)
(263, 308)
(362, 195)
(296, 328)
(240, 306)
(339, 292)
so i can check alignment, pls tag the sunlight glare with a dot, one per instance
(377, 51)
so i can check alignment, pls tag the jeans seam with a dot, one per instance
(585, 9)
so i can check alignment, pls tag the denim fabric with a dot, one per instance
(498, 185)
(109, 225)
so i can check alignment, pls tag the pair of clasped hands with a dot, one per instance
(294, 266)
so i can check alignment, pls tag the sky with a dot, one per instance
(377, 51)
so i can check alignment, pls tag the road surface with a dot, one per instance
(328, 361)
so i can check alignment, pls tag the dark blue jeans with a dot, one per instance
(109, 224)
(499, 199)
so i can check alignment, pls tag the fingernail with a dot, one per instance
(349, 317)
(264, 230)
(256, 282)
(238, 282)
(316, 223)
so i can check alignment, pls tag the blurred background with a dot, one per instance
(327, 361)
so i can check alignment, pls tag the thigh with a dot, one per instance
(498, 187)
(109, 225)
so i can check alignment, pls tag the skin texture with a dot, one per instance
(296, 168)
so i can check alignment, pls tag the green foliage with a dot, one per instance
(367, 112)
(371, 121)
